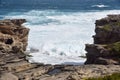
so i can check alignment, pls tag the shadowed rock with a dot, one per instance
(106, 47)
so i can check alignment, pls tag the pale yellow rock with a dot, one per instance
(8, 76)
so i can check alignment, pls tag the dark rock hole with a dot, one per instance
(54, 71)
(9, 41)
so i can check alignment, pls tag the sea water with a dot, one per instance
(59, 29)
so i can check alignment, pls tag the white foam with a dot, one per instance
(60, 37)
(100, 6)
(50, 59)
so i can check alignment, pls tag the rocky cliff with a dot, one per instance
(13, 40)
(106, 47)
(13, 36)
(14, 66)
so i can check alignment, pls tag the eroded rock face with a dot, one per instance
(14, 66)
(106, 47)
(107, 30)
(13, 36)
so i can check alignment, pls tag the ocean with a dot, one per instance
(59, 29)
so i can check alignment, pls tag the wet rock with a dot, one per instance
(33, 50)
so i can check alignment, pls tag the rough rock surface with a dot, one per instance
(8, 76)
(14, 66)
(13, 36)
(106, 47)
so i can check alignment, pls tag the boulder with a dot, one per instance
(106, 47)
(13, 36)
(107, 30)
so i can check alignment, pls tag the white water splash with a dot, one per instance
(60, 37)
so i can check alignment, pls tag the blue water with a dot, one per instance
(59, 29)
(60, 4)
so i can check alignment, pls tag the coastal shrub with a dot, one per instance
(115, 76)
(118, 24)
(107, 27)
(114, 47)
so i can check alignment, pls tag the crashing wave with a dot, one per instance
(61, 41)
(100, 6)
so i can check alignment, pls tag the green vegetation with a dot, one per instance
(107, 27)
(118, 24)
(114, 47)
(115, 76)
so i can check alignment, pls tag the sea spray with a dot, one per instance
(59, 36)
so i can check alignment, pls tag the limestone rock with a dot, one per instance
(107, 30)
(13, 36)
(14, 66)
(8, 76)
(101, 54)
(106, 47)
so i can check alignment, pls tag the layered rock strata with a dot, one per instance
(14, 66)
(106, 47)
(13, 36)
